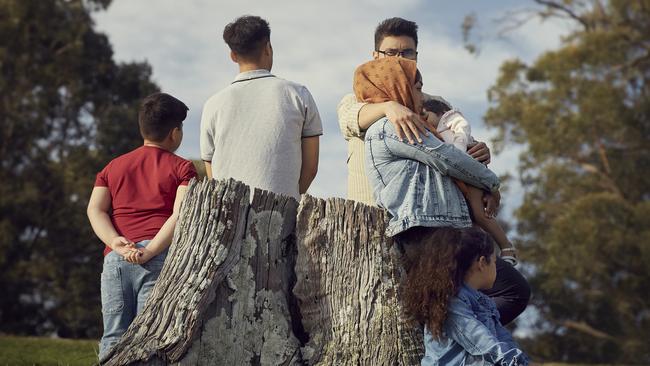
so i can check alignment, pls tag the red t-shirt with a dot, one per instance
(143, 185)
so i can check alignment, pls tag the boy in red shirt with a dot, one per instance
(133, 209)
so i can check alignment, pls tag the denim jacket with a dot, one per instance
(413, 182)
(472, 335)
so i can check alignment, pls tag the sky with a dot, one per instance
(319, 44)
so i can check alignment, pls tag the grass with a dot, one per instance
(36, 351)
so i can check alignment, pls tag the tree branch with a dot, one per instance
(587, 329)
(515, 20)
(605, 178)
(566, 10)
(603, 157)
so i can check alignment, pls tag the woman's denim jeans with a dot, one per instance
(125, 288)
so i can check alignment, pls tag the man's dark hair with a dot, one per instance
(247, 36)
(395, 27)
(159, 114)
(435, 106)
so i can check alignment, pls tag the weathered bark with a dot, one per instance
(249, 322)
(348, 275)
(210, 215)
(221, 292)
(224, 296)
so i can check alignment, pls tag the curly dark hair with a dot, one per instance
(436, 261)
(247, 36)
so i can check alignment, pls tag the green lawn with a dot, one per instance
(34, 351)
(46, 351)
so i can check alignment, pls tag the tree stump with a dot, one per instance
(250, 322)
(348, 275)
(224, 296)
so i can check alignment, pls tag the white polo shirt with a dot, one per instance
(252, 131)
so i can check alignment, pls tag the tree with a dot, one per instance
(583, 114)
(66, 108)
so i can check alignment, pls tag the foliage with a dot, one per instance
(66, 108)
(583, 113)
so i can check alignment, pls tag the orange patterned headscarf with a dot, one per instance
(385, 79)
(391, 78)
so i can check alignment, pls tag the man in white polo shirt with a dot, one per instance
(261, 130)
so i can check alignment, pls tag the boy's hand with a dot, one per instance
(491, 201)
(480, 152)
(122, 245)
(140, 256)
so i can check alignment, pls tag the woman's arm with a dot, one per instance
(444, 158)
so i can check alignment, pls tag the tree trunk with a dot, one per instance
(224, 296)
(348, 275)
(249, 322)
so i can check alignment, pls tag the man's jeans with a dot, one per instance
(125, 287)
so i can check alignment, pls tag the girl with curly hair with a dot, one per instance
(446, 268)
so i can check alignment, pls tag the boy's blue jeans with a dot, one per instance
(125, 288)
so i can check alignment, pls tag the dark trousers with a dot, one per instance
(511, 292)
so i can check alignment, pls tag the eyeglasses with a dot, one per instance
(409, 53)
